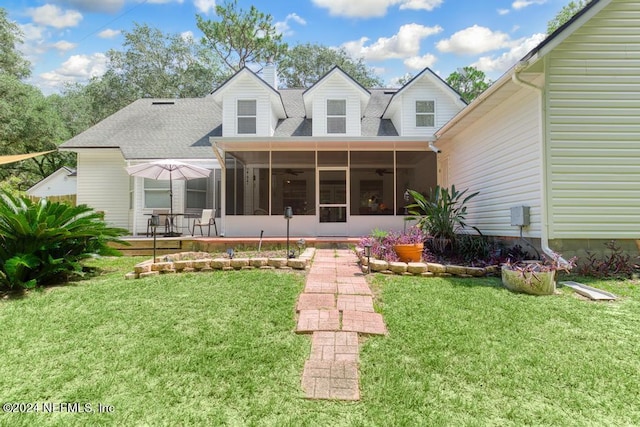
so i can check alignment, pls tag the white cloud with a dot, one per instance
(63, 45)
(474, 40)
(78, 68)
(372, 8)
(205, 6)
(167, 1)
(53, 16)
(284, 28)
(421, 62)
(34, 41)
(109, 6)
(109, 33)
(404, 44)
(501, 63)
(187, 35)
(420, 4)
(503, 11)
(521, 4)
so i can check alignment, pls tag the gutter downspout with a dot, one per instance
(544, 234)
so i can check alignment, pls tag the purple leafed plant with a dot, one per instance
(382, 245)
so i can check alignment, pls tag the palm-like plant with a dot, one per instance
(42, 242)
(443, 214)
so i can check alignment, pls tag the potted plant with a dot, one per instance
(408, 245)
(535, 277)
(441, 215)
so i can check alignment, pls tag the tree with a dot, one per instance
(469, 82)
(403, 80)
(303, 65)
(29, 123)
(11, 61)
(241, 37)
(154, 64)
(565, 14)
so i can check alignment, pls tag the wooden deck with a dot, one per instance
(168, 245)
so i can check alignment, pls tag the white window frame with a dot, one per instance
(246, 116)
(159, 187)
(426, 114)
(191, 190)
(337, 116)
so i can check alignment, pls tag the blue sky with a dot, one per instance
(66, 40)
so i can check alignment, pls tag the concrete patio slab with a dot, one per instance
(354, 289)
(314, 301)
(335, 346)
(365, 323)
(355, 303)
(318, 320)
(330, 380)
(320, 287)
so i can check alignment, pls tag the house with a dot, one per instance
(558, 134)
(60, 183)
(340, 155)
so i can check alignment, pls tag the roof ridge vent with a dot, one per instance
(163, 103)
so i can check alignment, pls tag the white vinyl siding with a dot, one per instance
(404, 119)
(103, 184)
(336, 88)
(500, 156)
(247, 89)
(594, 128)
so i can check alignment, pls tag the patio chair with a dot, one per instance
(208, 218)
(164, 219)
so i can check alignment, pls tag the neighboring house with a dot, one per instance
(342, 156)
(560, 134)
(60, 183)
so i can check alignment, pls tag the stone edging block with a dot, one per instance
(201, 261)
(423, 269)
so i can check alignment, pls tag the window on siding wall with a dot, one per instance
(247, 116)
(425, 113)
(197, 193)
(336, 116)
(156, 193)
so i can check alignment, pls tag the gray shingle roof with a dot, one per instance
(180, 128)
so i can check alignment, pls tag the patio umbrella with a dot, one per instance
(168, 170)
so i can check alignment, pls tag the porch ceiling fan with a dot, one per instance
(381, 172)
(294, 172)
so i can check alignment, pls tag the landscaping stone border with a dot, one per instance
(424, 269)
(185, 262)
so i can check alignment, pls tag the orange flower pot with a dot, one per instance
(409, 253)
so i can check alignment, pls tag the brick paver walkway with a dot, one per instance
(335, 307)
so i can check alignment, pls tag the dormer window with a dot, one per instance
(337, 116)
(247, 116)
(425, 114)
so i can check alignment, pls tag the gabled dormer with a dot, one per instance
(336, 104)
(423, 105)
(250, 106)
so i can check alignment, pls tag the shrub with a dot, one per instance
(615, 264)
(442, 215)
(43, 243)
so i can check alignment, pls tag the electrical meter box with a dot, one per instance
(520, 216)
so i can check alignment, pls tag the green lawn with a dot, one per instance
(219, 349)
